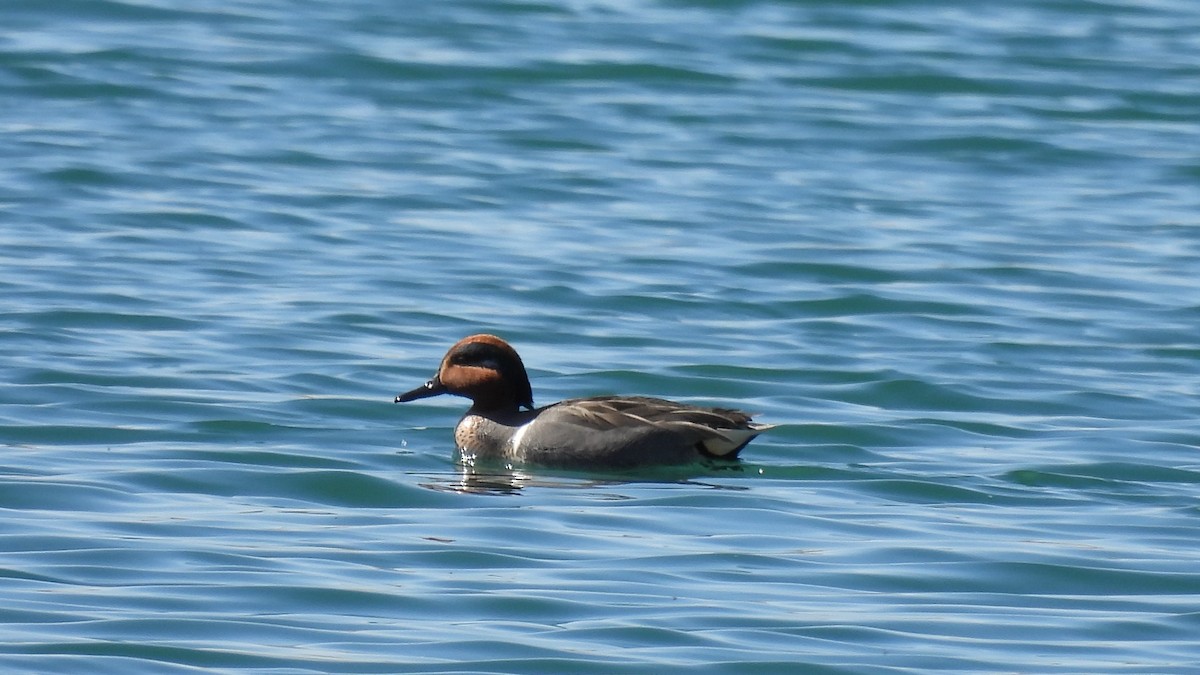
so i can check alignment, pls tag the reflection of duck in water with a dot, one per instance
(614, 432)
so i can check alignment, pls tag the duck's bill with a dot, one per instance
(430, 388)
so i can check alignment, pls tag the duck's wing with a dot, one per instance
(716, 432)
(606, 411)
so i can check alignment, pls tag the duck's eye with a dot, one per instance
(490, 364)
(478, 356)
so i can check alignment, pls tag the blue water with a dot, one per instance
(953, 252)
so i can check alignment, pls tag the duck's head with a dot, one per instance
(483, 368)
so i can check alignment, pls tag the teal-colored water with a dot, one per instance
(953, 252)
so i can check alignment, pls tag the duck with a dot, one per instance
(609, 432)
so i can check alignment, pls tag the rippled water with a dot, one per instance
(952, 252)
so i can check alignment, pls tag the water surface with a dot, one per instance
(951, 252)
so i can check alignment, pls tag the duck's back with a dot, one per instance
(628, 431)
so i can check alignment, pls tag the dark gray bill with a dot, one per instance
(430, 388)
